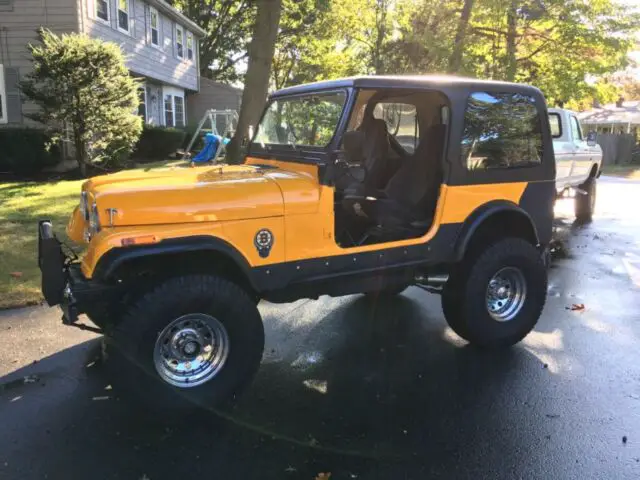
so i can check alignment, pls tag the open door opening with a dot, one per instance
(390, 166)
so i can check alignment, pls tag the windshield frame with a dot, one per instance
(301, 153)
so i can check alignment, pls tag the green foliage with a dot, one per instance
(158, 143)
(25, 151)
(228, 25)
(555, 45)
(83, 89)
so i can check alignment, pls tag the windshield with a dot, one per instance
(309, 120)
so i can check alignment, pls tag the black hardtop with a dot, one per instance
(430, 82)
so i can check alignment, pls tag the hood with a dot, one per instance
(185, 195)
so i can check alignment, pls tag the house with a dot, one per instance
(160, 43)
(618, 128)
(214, 95)
(622, 117)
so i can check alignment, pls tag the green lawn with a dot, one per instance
(22, 204)
(624, 171)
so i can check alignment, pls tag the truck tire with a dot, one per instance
(585, 203)
(494, 299)
(193, 341)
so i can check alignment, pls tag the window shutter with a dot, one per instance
(14, 99)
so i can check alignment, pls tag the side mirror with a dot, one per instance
(591, 138)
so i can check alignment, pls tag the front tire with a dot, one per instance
(585, 203)
(496, 298)
(193, 341)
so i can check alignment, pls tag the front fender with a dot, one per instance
(109, 263)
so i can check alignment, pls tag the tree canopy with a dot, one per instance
(556, 45)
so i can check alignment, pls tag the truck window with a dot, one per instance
(555, 124)
(501, 130)
(576, 132)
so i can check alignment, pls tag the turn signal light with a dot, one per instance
(126, 242)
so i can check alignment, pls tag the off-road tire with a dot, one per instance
(464, 297)
(128, 350)
(585, 203)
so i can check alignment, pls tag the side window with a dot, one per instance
(576, 132)
(309, 120)
(501, 130)
(555, 125)
(402, 123)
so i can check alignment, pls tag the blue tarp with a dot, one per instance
(211, 143)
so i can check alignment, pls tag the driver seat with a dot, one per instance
(408, 200)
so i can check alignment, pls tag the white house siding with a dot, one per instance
(144, 59)
(19, 22)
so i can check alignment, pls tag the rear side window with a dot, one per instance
(501, 130)
(555, 125)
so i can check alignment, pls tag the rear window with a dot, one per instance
(501, 130)
(555, 124)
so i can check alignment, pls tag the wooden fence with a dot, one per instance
(617, 149)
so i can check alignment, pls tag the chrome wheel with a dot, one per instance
(191, 350)
(506, 293)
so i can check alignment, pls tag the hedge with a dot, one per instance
(23, 151)
(157, 143)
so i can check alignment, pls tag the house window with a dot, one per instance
(154, 24)
(168, 111)
(124, 22)
(501, 130)
(142, 103)
(3, 97)
(179, 41)
(102, 10)
(190, 45)
(178, 103)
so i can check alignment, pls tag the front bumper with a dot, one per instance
(62, 281)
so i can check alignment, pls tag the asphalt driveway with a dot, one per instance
(365, 390)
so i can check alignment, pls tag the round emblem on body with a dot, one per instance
(264, 242)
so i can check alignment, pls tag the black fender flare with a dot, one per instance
(116, 257)
(482, 213)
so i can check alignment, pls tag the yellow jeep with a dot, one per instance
(362, 185)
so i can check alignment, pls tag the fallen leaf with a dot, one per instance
(577, 307)
(323, 476)
(30, 379)
(16, 274)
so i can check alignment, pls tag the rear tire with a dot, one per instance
(495, 299)
(585, 203)
(193, 341)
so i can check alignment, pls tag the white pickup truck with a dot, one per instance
(578, 161)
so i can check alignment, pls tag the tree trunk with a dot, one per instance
(512, 34)
(455, 61)
(256, 84)
(381, 34)
(80, 152)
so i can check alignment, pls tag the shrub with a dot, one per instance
(84, 90)
(24, 151)
(157, 143)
